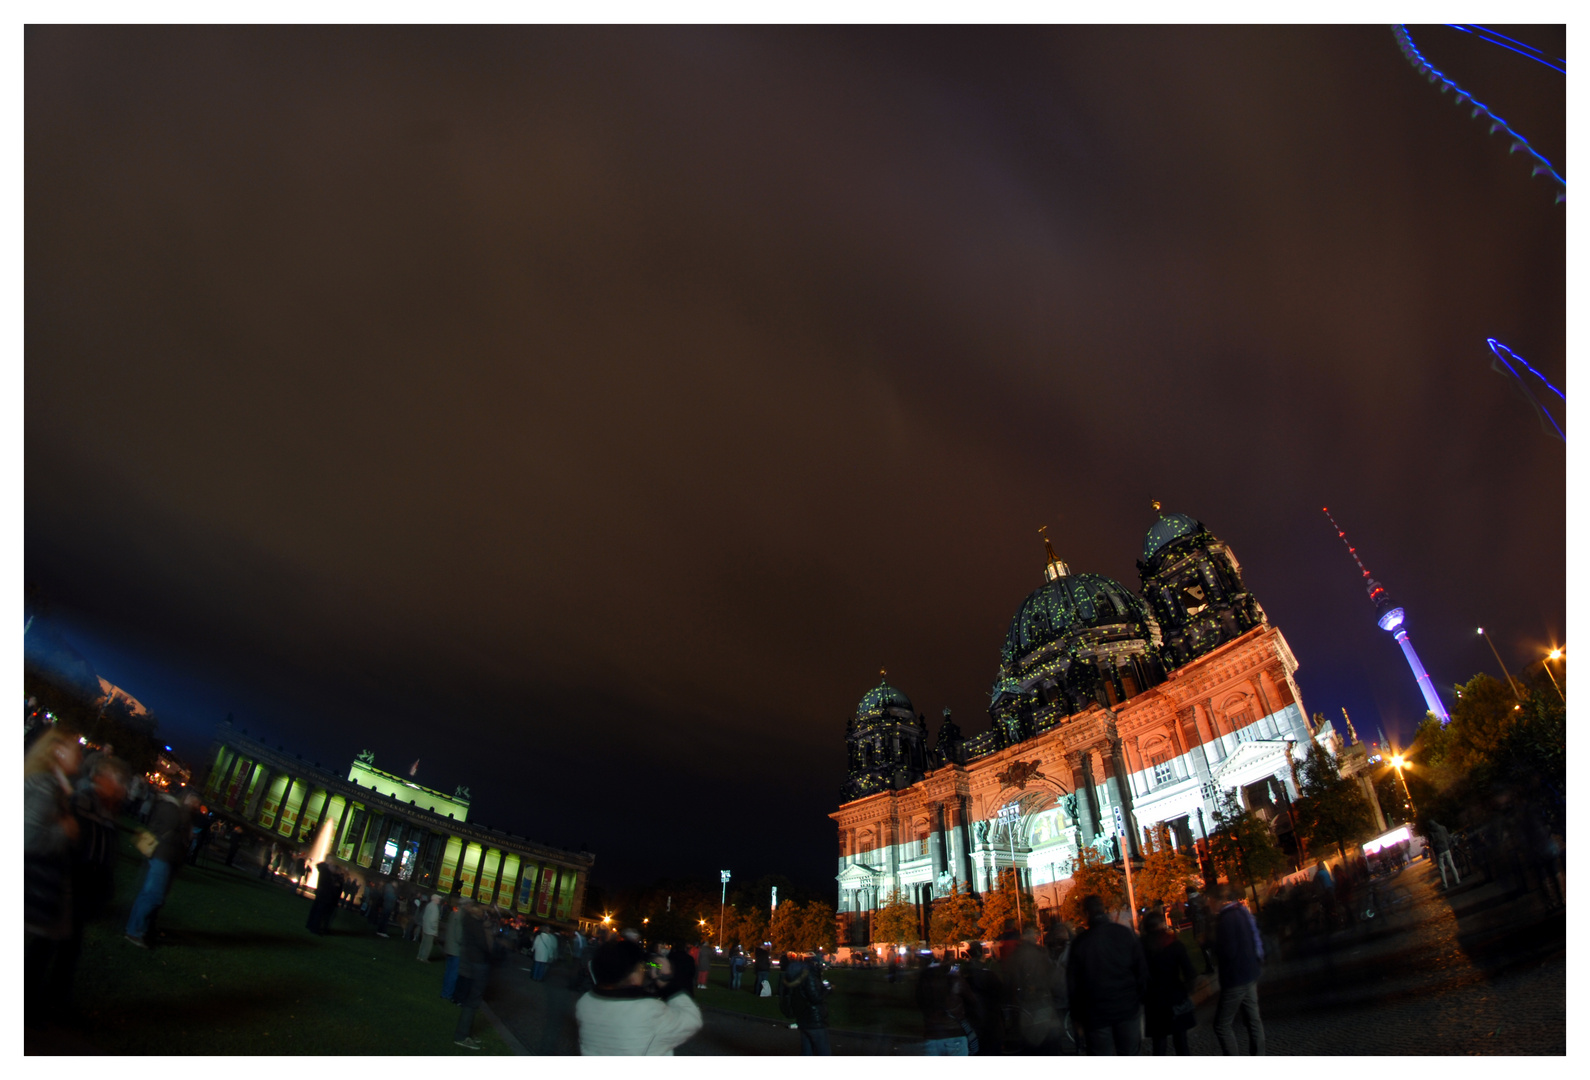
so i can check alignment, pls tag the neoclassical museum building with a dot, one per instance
(378, 823)
(1107, 703)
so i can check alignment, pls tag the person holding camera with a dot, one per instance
(637, 1007)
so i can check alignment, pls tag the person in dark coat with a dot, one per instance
(479, 949)
(1106, 980)
(988, 1018)
(328, 886)
(802, 994)
(234, 840)
(1168, 1006)
(762, 964)
(1238, 952)
(946, 1003)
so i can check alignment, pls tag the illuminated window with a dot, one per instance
(1164, 771)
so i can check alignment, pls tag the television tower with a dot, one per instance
(1392, 619)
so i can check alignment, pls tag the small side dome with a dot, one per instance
(1169, 527)
(882, 699)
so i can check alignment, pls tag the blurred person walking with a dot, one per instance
(703, 964)
(988, 993)
(476, 955)
(947, 1005)
(1238, 954)
(169, 825)
(802, 998)
(761, 966)
(452, 946)
(234, 840)
(543, 950)
(430, 924)
(1105, 981)
(49, 833)
(1031, 974)
(736, 967)
(637, 1007)
(328, 885)
(1168, 1005)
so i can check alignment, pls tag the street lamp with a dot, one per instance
(1397, 762)
(723, 875)
(1555, 654)
(1481, 631)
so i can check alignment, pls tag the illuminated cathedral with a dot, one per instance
(1107, 705)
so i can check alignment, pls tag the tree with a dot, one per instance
(955, 917)
(1331, 809)
(784, 928)
(1092, 876)
(1006, 903)
(745, 927)
(895, 923)
(817, 928)
(1242, 845)
(1166, 872)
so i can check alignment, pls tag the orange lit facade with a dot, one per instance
(1106, 703)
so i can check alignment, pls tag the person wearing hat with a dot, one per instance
(430, 924)
(637, 1008)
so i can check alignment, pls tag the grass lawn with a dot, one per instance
(235, 972)
(862, 999)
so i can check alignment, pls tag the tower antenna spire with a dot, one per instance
(1392, 619)
(1054, 568)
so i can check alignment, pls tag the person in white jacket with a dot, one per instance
(635, 1009)
(430, 923)
(543, 952)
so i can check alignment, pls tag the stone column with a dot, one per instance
(342, 825)
(1081, 763)
(964, 832)
(1118, 781)
(260, 786)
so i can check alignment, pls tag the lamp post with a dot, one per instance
(1510, 682)
(723, 875)
(1555, 654)
(1009, 814)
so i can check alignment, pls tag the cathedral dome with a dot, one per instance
(1066, 604)
(882, 699)
(1169, 527)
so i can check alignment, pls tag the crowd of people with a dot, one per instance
(1096, 991)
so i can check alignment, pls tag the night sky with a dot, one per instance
(592, 413)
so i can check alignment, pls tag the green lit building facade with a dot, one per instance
(387, 825)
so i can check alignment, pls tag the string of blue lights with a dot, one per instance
(1542, 167)
(1498, 348)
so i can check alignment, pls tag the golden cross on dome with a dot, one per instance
(1155, 504)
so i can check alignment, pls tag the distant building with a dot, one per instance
(385, 824)
(1105, 701)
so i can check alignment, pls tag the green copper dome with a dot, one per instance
(1065, 604)
(1169, 527)
(881, 699)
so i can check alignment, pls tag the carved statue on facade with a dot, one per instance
(366, 757)
(1019, 773)
(980, 832)
(1105, 845)
(461, 794)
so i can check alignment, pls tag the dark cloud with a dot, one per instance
(591, 412)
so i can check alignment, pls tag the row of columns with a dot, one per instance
(241, 786)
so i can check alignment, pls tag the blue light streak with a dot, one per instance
(1429, 71)
(1492, 36)
(1498, 349)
